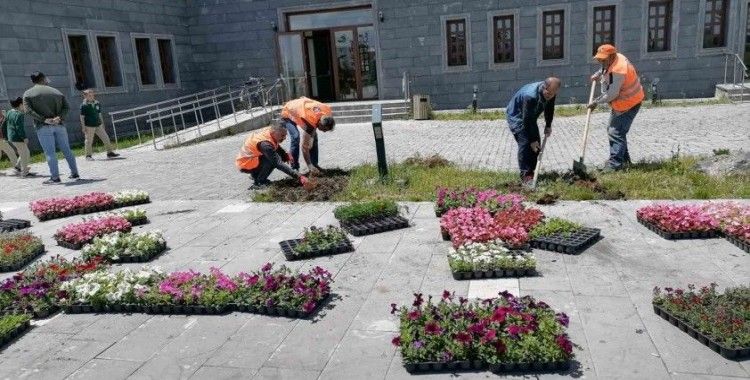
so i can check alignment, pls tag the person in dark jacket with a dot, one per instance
(48, 107)
(14, 130)
(522, 112)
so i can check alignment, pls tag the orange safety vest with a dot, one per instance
(249, 157)
(305, 111)
(631, 92)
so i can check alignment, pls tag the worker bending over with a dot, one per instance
(261, 153)
(309, 116)
(622, 89)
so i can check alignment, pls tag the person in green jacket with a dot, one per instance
(92, 125)
(5, 147)
(15, 131)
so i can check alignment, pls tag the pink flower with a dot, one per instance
(88, 230)
(463, 338)
(44, 207)
(678, 218)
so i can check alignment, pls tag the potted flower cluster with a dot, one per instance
(720, 321)
(18, 249)
(734, 222)
(136, 217)
(365, 218)
(126, 247)
(268, 291)
(35, 290)
(317, 242)
(488, 260)
(489, 199)
(476, 224)
(76, 235)
(131, 198)
(560, 235)
(678, 221)
(501, 334)
(12, 326)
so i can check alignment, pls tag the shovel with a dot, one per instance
(539, 163)
(579, 168)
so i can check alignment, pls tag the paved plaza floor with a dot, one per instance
(606, 291)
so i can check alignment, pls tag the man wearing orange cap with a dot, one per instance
(622, 89)
(309, 116)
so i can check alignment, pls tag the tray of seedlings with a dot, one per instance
(372, 217)
(560, 235)
(126, 247)
(18, 250)
(12, 326)
(677, 222)
(491, 259)
(317, 242)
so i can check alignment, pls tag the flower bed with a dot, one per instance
(34, 291)
(136, 217)
(126, 247)
(12, 326)
(489, 260)
(491, 200)
(277, 292)
(477, 225)
(18, 249)
(720, 321)
(563, 236)
(52, 208)
(317, 242)
(75, 236)
(366, 218)
(502, 334)
(678, 221)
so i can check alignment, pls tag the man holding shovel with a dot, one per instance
(622, 89)
(261, 153)
(523, 110)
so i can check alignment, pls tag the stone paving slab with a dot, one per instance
(606, 291)
(206, 171)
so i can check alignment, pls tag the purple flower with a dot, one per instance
(446, 356)
(267, 267)
(418, 300)
(393, 308)
(417, 344)
(563, 319)
(308, 306)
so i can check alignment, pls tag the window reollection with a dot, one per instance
(167, 61)
(145, 61)
(80, 56)
(110, 61)
(456, 42)
(715, 24)
(504, 38)
(553, 34)
(604, 26)
(659, 26)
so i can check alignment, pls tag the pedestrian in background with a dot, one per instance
(48, 107)
(5, 147)
(92, 124)
(15, 132)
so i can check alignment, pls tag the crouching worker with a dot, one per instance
(262, 153)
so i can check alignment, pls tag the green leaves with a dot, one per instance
(366, 210)
(554, 226)
(318, 239)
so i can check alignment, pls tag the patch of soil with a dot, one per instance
(547, 198)
(594, 185)
(329, 183)
(430, 162)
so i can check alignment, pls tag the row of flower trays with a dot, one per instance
(76, 235)
(710, 220)
(18, 250)
(367, 218)
(504, 334)
(719, 321)
(274, 292)
(54, 208)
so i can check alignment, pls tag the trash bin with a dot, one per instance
(421, 107)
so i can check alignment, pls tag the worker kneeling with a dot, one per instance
(262, 153)
(303, 117)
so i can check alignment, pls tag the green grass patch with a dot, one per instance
(79, 150)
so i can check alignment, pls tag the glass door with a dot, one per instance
(292, 61)
(368, 86)
(345, 64)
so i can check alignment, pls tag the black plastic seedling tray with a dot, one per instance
(15, 333)
(375, 226)
(496, 273)
(22, 262)
(476, 365)
(278, 311)
(141, 258)
(743, 245)
(100, 309)
(186, 309)
(729, 353)
(679, 235)
(35, 314)
(139, 221)
(133, 203)
(10, 225)
(73, 246)
(572, 243)
(288, 246)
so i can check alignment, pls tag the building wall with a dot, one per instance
(31, 39)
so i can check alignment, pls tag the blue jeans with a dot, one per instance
(619, 125)
(49, 136)
(526, 156)
(294, 139)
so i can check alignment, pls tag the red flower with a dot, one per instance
(432, 328)
(499, 315)
(489, 336)
(414, 315)
(564, 343)
(463, 338)
(513, 330)
(396, 341)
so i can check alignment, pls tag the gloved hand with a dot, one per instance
(303, 180)
(592, 106)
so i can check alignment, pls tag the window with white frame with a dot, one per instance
(659, 26)
(94, 60)
(604, 26)
(715, 20)
(456, 42)
(155, 61)
(553, 35)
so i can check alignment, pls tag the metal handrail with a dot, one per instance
(736, 59)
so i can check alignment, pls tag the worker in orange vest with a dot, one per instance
(622, 89)
(309, 116)
(261, 153)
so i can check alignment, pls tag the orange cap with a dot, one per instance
(604, 51)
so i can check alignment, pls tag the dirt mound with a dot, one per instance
(329, 183)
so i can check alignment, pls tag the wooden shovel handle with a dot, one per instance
(588, 121)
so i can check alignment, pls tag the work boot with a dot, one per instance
(74, 176)
(527, 181)
(112, 155)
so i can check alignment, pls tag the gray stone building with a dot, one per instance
(138, 51)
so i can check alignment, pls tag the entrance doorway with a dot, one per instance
(332, 52)
(747, 35)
